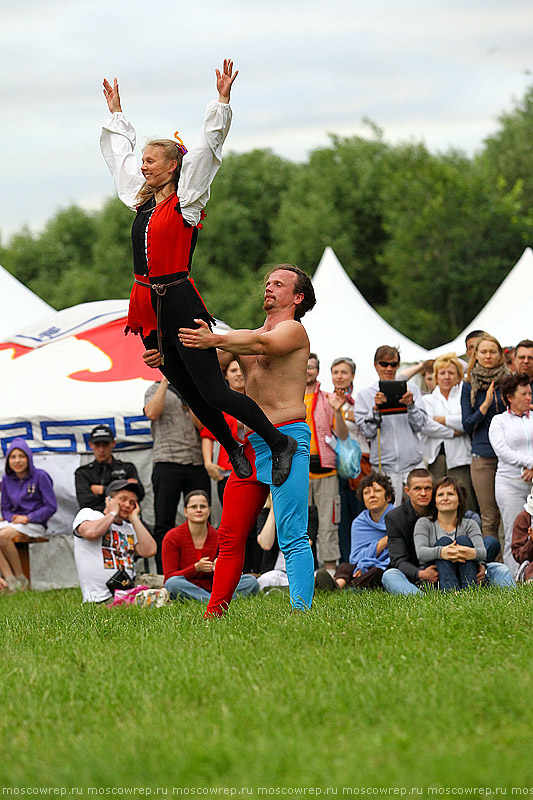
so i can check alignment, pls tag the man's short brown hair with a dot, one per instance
(385, 351)
(302, 285)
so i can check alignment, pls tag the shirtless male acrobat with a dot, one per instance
(273, 360)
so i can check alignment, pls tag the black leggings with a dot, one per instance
(197, 376)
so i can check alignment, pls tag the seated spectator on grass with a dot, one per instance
(190, 552)
(522, 542)
(454, 544)
(447, 447)
(108, 541)
(369, 556)
(92, 479)
(28, 502)
(405, 574)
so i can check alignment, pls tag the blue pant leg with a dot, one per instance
(179, 587)
(499, 575)
(395, 582)
(468, 570)
(290, 502)
(448, 577)
(247, 585)
(351, 507)
(492, 546)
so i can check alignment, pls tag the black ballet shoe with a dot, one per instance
(241, 466)
(282, 461)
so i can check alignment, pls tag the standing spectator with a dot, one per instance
(106, 542)
(369, 556)
(454, 544)
(425, 370)
(28, 502)
(342, 376)
(324, 417)
(511, 437)
(190, 552)
(522, 543)
(523, 358)
(93, 479)
(177, 457)
(471, 339)
(481, 400)
(447, 448)
(398, 449)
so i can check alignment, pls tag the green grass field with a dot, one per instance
(366, 691)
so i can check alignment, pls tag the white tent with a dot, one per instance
(509, 312)
(20, 306)
(344, 324)
(60, 377)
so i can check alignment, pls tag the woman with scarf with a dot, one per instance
(481, 400)
(511, 436)
(342, 377)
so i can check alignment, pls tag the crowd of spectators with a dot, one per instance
(445, 485)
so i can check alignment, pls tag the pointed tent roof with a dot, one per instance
(344, 324)
(508, 313)
(20, 305)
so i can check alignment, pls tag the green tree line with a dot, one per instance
(426, 238)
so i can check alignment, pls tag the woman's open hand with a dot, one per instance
(112, 96)
(225, 80)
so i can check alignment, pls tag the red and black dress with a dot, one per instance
(163, 238)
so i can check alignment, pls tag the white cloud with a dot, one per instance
(440, 70)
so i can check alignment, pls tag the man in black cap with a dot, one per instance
(107, 541)
(92, 479)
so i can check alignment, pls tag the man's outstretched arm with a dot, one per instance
(286, 337)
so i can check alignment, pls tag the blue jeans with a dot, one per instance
(454, 575)
(291, 511)
(499, 575)
(179, 587)
(351, 507)
(395, 581)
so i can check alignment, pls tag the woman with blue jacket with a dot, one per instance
(481, 400)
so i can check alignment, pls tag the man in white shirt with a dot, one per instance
(397, 450)
(107, 542)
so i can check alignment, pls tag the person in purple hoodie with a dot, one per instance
(28, 501)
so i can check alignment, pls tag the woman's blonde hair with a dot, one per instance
(485, 337)
(447, 360)
(172, 152)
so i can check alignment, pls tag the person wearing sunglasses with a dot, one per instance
(395, 446)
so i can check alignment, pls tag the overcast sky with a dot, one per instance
(437, 71)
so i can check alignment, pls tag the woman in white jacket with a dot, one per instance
(447, 448)
(511, 438)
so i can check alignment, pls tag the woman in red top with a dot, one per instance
(169, 193)
(190, 552)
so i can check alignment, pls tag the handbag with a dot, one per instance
(348, 457)
(120, 580)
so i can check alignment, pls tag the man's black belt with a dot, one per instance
(160, 290)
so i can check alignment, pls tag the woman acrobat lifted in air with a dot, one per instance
(168, 193)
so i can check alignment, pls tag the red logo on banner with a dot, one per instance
(124, 352)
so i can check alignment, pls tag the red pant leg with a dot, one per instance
(243, 500)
